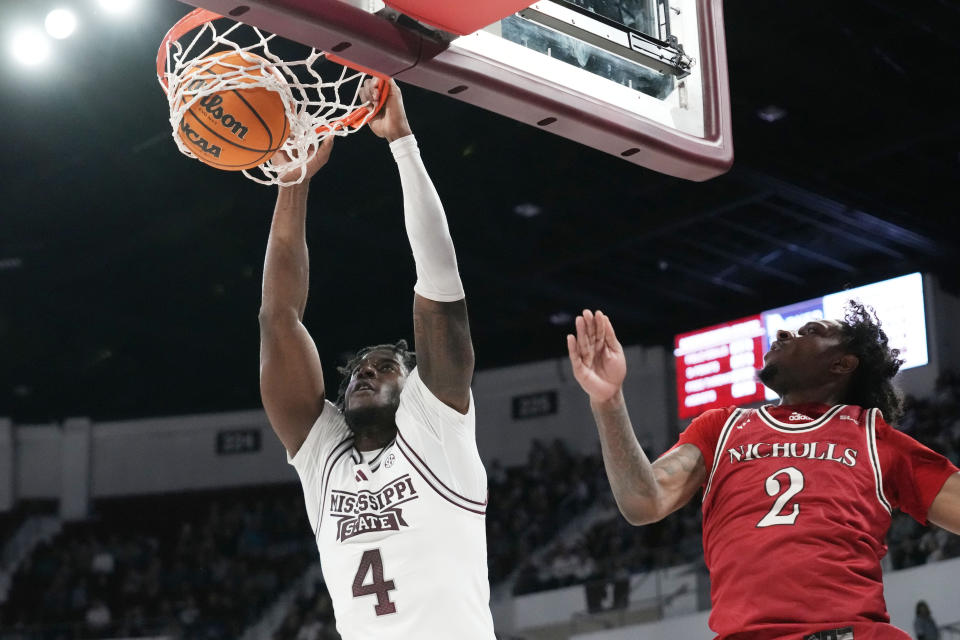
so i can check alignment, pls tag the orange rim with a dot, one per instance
(355, 118)
(199, 17)
(189, 22)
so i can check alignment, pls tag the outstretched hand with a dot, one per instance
(597, 357)
(390, 122)
(313, 165)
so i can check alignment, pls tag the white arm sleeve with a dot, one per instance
(437, 275)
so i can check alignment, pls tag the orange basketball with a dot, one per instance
(234, 129)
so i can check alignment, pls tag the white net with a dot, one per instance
(316, 106)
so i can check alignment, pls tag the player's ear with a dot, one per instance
(845, 364)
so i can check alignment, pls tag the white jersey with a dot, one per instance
(401, 534)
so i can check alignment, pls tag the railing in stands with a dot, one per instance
(70, 630)
(32, 532)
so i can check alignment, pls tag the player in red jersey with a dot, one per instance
(797, 498)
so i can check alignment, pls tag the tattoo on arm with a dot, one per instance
(681, 462)
(645, 491)
(628, 467)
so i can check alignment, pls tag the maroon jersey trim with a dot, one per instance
(871, 433)
(401, 445)
(773, 423)
(327, 470)
(437, 479)
(721, 443)
(359, 457)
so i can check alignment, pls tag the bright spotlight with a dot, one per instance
(60, 23)
(30, 47)
(116, 6)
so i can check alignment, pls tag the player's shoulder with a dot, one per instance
(721, 414)
(712, 418)
(328, 434)
(413, 381)
(420, 406)
(874, 419)
(884, 431)
(889, 437)
(726, 412)
(330, 425)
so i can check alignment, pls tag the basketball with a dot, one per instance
(234, 129)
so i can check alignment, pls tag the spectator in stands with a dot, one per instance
(531, 503)
(185, 567)
(310, 616)
(924, 626)
(98, 616)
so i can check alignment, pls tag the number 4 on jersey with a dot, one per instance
(371, 562)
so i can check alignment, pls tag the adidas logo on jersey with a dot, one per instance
(797, 416)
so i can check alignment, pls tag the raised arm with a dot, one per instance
(945, 510)
(440, 324)
(645, 492)
(291, 379)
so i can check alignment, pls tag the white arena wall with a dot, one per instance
(79, 460)
(936, 583)
(499, 435)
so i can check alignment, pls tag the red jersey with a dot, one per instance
(796, 507)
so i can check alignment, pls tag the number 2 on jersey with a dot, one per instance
(772, 487)
(371, 562)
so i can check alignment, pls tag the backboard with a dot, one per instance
(645, 80)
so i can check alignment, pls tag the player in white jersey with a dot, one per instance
(394, 487)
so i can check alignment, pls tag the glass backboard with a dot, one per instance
(645, 80)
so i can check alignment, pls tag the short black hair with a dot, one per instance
(871, 384)
(399, 348)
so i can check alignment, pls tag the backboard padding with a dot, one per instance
(460, 18)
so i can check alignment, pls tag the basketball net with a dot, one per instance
(316, 107)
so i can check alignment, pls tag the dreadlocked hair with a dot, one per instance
(871, 384)
(400, 348)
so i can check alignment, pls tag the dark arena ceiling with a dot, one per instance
(130, 275)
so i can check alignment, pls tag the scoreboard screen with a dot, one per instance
(716, 366)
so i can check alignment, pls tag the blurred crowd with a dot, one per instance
(606, 550)
(611, 550)
(530, 503)
(935, 422)
(206, 565)
(310, 616)
(192, 566)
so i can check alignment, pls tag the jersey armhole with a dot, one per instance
(438, 418)
(325, 422)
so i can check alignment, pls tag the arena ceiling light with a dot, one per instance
(527, 210)
(60, 23)
(771, 113)
(30, 47)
